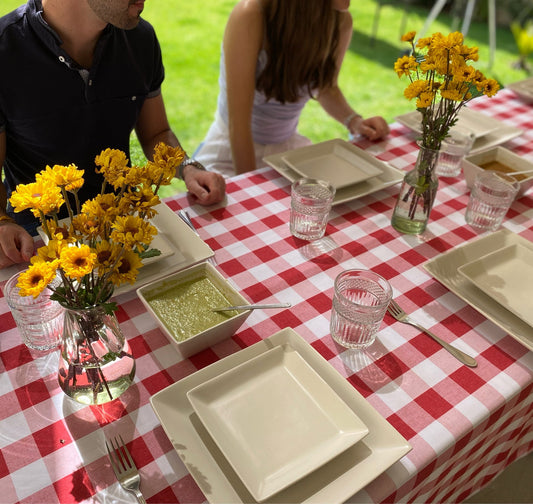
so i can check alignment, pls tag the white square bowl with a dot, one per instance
(194, 343)
(472, 165)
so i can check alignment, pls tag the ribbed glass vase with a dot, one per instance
(417, 194)
(95, 364)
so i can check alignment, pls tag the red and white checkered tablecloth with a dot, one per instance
(465, 425)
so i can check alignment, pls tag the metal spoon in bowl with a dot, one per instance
(253, 307)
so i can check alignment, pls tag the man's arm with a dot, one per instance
(16, 245)
(153, 127)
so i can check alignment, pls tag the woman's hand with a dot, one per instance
(373, 128)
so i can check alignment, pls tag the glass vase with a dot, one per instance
(95, 364)
(417, 194)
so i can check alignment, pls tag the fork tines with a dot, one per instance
(119, 456)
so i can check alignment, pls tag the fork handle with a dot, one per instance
(139, 495)
(458, 354)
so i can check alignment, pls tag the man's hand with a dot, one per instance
(207, 187)
(16, 244)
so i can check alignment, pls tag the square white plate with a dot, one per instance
(334, 482)
(491, 137)
(186, 249)
(275, 419)
(159, 242)
(523, 88)
(507, 276)
(445, 267)
(479, 124)
(336, 161)
(389, 176)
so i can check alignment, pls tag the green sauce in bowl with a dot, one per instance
(185, 309)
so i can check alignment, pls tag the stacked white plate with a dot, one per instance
(523, 88)
(351, 170)
(488, 132)
(275, 422)
(493, 274)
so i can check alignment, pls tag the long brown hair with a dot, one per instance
(301, 38)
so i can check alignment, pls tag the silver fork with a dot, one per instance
(124, 467)
(396, 311)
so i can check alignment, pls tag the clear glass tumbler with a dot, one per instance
(490, 199)
(39, 320)
(360, 301)
(452, 151)
(310, 205)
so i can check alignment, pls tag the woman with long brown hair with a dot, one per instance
(276, 55)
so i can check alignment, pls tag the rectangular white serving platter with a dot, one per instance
(334, 482)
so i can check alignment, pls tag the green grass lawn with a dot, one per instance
(190, 34)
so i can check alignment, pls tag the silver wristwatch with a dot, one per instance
(187, 162)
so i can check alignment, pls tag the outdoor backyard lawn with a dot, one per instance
(190, 34)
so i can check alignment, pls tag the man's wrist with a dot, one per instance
(189, 162)
(6, 219)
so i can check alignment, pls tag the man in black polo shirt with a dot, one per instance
(76, 77)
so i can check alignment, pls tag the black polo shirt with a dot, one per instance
(55, 112)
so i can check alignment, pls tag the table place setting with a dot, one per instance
(488, 132)
(483, 272)
(355, 163)
(334, 478)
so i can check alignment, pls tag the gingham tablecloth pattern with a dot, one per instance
(465, 425)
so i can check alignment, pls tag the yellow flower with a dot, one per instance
(68, 177)
(405, 65)
(107, 254)
(113, 166)
(102, 205)
(49, 253)
(414, 89)
(448, 83)
(490, 87)
(127, 269)
(425, 99)
(409, 36)
(78, 261)
(142, 201)
(42, 197)
(132, 231)
(35, 279)
(87, 226)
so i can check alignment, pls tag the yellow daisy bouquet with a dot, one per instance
(442, 81)
(104, 240)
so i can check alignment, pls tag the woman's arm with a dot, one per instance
(334, 102)
(243, 39)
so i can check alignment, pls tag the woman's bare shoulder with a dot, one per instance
(346, 21)
(248, 10)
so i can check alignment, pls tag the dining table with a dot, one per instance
(464, 425)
